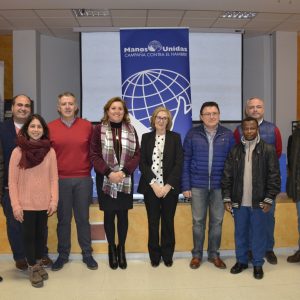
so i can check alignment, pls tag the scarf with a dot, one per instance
(33, 152)
(128, 144)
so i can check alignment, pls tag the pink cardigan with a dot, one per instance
(34, 188)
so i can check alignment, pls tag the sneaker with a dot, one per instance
(43, 273)
(46, 261)
(90, 262)
(34, 276)
(294, 258)
(271, 257)
(59, 263)
(21, 264)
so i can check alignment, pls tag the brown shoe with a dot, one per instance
(46, 261)
(218, 262)
(195, 263)
(294, 258)
(21, 264)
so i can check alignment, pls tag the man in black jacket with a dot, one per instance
(293, 181)
(250, 183)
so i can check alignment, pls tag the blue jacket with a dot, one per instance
(196, 151)
(8, 137)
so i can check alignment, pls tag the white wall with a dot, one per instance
(257, 71)
(26, 54)
(285, 82)
(60, 72)
(270, 72)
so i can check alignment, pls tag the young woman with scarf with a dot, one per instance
(115, 155)
(33, 190)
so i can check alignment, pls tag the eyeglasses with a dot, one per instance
(213, 114)
(164, 119)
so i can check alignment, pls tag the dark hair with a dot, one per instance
(209, 103)
(107, 106)
(13, 101)
(24, 129)
(248, 119)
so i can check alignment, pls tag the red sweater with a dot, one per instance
(71, 145)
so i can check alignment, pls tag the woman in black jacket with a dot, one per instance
(161, 166)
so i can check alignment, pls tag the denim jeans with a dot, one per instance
(270, 225)
(298, 213)
(203, 199)
(14, 229)
(244, 219)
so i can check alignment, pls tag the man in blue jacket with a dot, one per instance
(205, 151)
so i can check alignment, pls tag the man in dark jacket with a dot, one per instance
(293, 181)
(250, 183)
(205, 150)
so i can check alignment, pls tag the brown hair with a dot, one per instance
(107, 106)
(155, 113)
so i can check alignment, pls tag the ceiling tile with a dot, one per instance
(23, 13)
(124, 13)
(4, 24)
(206, 14)
(95, 22)
(197, 23)
(27, 23)
(129, 22)
(163, 22)
(54, 13)
(165, 13)
(263, 25)
(60, 22)
(271, 17)
(229, 23)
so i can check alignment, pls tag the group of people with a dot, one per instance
(46, 168)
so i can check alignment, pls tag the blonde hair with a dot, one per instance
(107, 106)
(155, 113)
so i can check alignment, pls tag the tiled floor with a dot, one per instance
(141, 281)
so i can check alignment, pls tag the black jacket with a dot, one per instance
(172, 161)
(265, 175)
(293, 154)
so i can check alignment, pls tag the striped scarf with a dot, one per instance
(128, 144)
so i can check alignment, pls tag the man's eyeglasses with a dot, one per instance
(164, 119)
(213, 114)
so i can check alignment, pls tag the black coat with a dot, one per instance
(265, 175)
(293, 153)
(172, 161)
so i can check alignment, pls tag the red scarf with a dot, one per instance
(33, 152)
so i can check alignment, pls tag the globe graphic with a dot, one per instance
(144, 91)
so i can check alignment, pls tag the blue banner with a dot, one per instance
(155, 72)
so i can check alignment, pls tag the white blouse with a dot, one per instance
(157, 158)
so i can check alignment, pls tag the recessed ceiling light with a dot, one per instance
(238, 15)
(90, 12)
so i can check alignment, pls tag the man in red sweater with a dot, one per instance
(70, 137)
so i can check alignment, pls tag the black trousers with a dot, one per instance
(34, 234)
(122, 225)
(161, 210)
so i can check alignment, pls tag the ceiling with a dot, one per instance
(55, 17)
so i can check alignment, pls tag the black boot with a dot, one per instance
(112, 256)
(122, 257)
